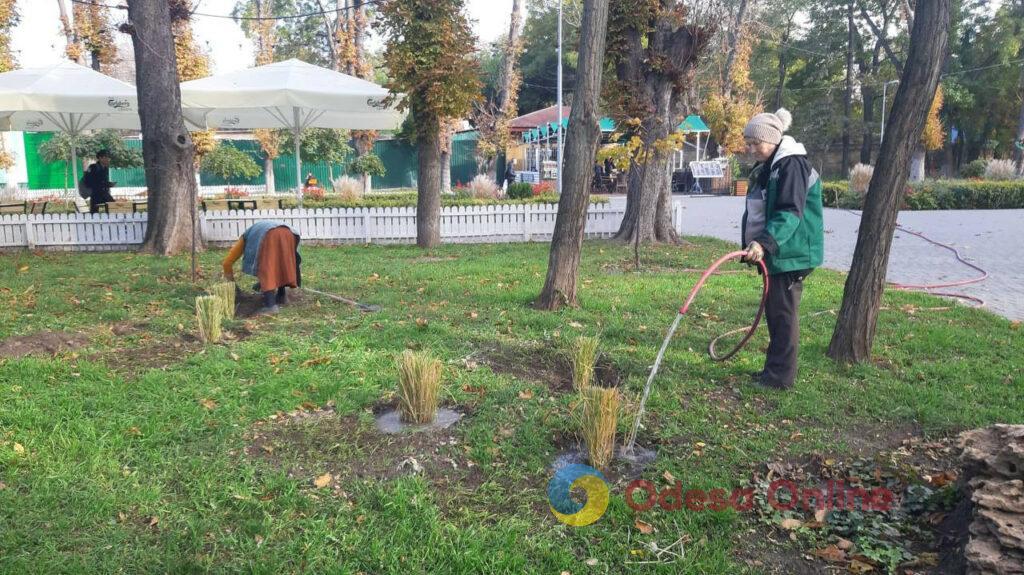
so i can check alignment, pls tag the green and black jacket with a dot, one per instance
(784, 211)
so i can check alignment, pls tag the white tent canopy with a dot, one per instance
(291, 95)
(66, 97)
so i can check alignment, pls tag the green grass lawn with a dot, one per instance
(145, 451)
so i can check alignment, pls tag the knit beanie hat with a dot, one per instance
(769, 127)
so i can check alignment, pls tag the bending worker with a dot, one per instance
(783, 226)
(271, 253)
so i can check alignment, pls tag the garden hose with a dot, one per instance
(925, 288)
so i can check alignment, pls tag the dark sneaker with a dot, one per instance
(765, 384)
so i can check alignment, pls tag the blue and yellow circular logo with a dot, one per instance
(578, 476)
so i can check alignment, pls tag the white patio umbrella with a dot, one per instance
(66, 97)
(292, 95)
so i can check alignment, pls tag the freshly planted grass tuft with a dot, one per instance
(225, 292)
(600, 419)
(419, 381)
(208, 317)
(584, 354)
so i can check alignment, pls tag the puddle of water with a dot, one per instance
(634, 462)
(391, 421)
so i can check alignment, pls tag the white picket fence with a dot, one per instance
(474, 224)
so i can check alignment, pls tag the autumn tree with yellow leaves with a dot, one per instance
(8, 19)
(931, 138)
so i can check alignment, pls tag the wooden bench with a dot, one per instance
(118, 207)
(12, 208)
(268, 203)
(215, 205)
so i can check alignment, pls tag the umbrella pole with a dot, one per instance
(298, 159)
(74, 164)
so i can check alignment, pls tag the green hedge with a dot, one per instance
(940, 195)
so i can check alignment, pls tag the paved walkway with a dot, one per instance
(984, 238)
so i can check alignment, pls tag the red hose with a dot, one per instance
(760, 310)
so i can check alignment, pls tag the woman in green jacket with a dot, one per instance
(783, 226)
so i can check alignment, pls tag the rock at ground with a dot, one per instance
(994, 480)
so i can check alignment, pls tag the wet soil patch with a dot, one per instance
(391, 422)
(623, 469)
(46, 343)
(331, 452)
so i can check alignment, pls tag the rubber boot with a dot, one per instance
(269, 303)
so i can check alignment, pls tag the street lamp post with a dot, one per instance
(885, 87)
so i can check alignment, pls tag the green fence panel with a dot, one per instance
(130, 177)
(399, 158)
(43, 175)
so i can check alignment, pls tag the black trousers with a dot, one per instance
(782, 313)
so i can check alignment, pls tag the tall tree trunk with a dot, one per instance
(868, 143)
(917, 164)
(508, 66)
(446, 171)
(781, 87)
(730, 58)
(167, 149)
(428, 181)
(638, 223)
(855, 328)
(1019, 152)
(581, 143)
(268, 173)
(72, 50)
(848, 97)
(664, 229)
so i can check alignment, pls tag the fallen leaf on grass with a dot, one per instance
(479, 390)
(360, 519)
(575, 324)
(19, 448)
(790, 523)
(820, 515)
(860, 567)
(321, 360)
(3, 486)
(234, 356)
(669, 477)
(644, 527)
(22, 269)
(591, 562)
(831, 553)
(208, 404)
(322, 481)
(153, 521)
(844, 544)
(526, 394)
(421, 323)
